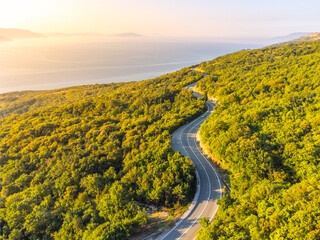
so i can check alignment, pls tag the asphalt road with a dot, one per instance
(209, 185)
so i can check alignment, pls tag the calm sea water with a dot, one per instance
(61, 62)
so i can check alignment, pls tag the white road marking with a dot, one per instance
(182, 129)
(209, 196)
(186, 152)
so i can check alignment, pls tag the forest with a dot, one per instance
(265, 132)
(77, 163)
(27, 101)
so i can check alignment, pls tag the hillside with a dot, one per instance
(82, 170)
(266, 133)
(309, 37)
(14, 33)
(26, 101)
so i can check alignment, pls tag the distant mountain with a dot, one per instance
(4, 39)
(308, 37)
(14, 33)
(289, 37)
(89, 34)
(128, 34)
(75, 35)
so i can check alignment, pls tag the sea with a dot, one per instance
(57, 62)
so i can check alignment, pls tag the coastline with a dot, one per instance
(47, 67)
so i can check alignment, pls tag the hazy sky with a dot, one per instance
(192, 18)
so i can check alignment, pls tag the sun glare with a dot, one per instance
(17, 13)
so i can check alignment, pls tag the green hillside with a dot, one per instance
(81, 170)
(266, 133)
(27, 101)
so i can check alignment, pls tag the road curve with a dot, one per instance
(209, 186)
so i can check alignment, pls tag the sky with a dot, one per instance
(176, 18)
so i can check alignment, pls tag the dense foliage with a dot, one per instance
(266, 133)
(27, 101)
(80, 170)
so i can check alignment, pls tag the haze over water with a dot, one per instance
(50, 63)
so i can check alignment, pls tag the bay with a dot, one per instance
(50, 63)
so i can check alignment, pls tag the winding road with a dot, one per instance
(209, 188)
